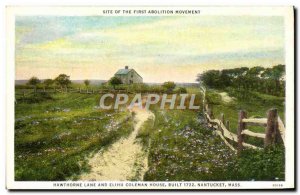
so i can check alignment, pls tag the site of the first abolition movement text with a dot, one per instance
(151, 12)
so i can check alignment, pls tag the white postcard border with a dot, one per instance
(286, 11)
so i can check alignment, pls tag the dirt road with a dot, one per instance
(226, 98)
(123, 160)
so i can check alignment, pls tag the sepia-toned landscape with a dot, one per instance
(231, 69)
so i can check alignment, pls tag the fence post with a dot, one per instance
(241, 127)
(222, 119)
(206, 107)
(272, 133)
(227, 125)
(209, 112)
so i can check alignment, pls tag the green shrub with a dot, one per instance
(169, 86)
(213, 98)
(262, 165)
(145, 132)
(181, 90)
(36, 98)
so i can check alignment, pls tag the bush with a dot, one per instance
(36, 98)
(181, 90)
(246, 96)
(114, 81)
(23, 87)
(169, 86)
(266, 165)
(138, 88)
(213, 98)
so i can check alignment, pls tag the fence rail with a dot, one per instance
(274, 129)
(253, 134)
(26, 92)
(255, 122)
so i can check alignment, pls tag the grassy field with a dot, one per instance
(255, 104)
(53, 136)
(56, 133)
(182, 148)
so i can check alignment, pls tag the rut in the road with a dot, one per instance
(122, 161)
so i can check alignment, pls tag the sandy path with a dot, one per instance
(124, 160)
(225, 97)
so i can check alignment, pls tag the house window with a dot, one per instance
(132, 76)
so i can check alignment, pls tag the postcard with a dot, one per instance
(150, 98)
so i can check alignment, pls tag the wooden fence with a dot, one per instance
(27, 92)
(274, 129)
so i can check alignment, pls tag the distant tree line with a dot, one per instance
(265, 80)
(166, 87)
(61, 80)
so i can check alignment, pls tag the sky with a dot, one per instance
(168, 48)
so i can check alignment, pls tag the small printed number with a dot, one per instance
(277, 185)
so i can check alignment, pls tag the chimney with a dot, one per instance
(126, 67)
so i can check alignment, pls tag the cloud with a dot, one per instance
(176, 45)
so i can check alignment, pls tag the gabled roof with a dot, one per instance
(126, 71)
(123, 71)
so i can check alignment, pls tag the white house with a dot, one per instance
(128, 76)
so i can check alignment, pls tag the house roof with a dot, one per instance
(125, 72)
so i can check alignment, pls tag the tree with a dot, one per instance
(169, 86)
(225, 78)
(63, 80)
(87, 82)
(48, 82)
(210, 78)
(253, 77)
(239, 77)
(274, 74)
(245, 80)
(34, 81)
(115, 81)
